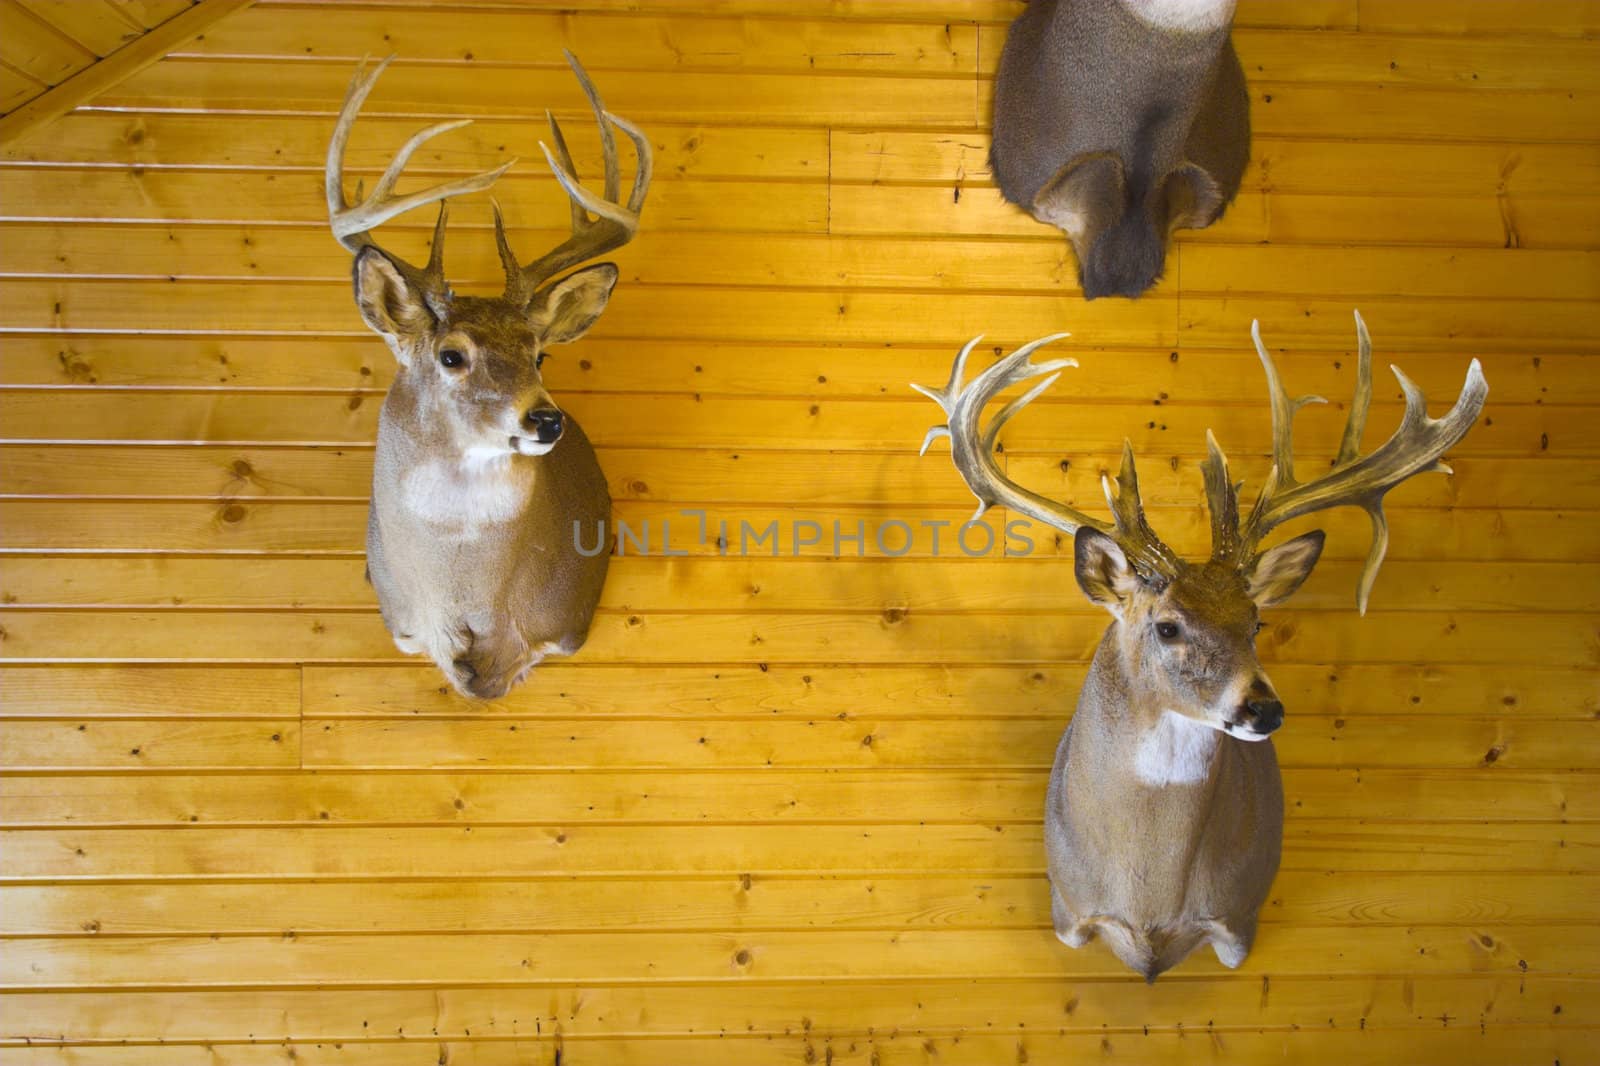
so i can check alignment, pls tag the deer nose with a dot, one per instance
(1267, 715)
(544, 423)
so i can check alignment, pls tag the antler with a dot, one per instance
(614, 224)
(1354, 480)
(972, 449)
(352, 223)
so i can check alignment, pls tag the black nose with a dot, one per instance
(544, 423)
(1267, 715)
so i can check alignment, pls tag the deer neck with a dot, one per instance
(1183, 16)
(1132, 737)
(461, 490)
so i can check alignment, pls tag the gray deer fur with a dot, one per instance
(1119, 121)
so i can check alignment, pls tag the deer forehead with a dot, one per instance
(1212, 596)
(492, 325)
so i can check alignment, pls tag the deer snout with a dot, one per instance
(1264, 716)
(1258, 715)
(545, 424)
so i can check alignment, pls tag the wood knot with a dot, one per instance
(233, 513)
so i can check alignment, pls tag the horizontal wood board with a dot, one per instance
(786, 805)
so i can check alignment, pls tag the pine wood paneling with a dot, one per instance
(781, 808)
(166, 800)
(1248, 1047)
(781, 902)
(98, 27)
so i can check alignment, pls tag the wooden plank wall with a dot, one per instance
(781, 810)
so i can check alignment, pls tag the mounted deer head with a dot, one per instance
(474, 361)
(479, 477)
(1120, 121)
(1150, 773)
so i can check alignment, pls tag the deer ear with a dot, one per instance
(1083, 197)
(391, 307)
(1194, 200)
(565, 311)
(1279, 573)
(1102, 570)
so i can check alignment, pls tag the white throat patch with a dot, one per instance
(478, 492)
(1175, 751)
(1183, 16)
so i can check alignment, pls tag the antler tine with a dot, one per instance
(972, 449)
(1363, 481)
(1284, 409)
(1143, 548)
(352, 223)
(972, 446)
(508, 258)
(1356, 422)
(608, 143)
(1222, 499)
(567, 167)
(641, 144)
(614, 224)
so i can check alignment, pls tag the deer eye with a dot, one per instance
(1260, 626)
(1167, 630)
(452, 358)
(538, 360)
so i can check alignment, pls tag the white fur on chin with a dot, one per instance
(528, 446)
(1248, 735)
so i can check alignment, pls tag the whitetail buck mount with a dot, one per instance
(1164, 814)
(479, 478)
(1119, 121)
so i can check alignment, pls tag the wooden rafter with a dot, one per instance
(126, 61)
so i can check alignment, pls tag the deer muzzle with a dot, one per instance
(544, 424)
(1258, 715)
(1263, 716)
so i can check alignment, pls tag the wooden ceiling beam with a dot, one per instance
(115, 68)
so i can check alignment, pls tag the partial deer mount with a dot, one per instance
(1119, 121)
(1164, 814)
(480, 479)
